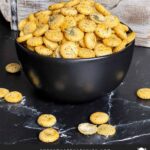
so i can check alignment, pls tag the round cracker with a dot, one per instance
(112, 41)
(13, 68)
(35, 41)
(97, 17)
(86, 53)
(130, 37)
(87, 25)
(56, 6)
(46, 120)
(120, 33)
(100, 8)
(144, 93)
(99, 118)
(69, 50)
(29, 27)
(3, 92)
(42, 50)
(24, 38)
(68, 23)
(106, 130)
(85, 9)
(71, 11)
(102, 50)
(41, 30)
(103, 31)
(21, 24)
(49, 135)
(43, 12)
(87, 128)
(73, 34)
(54, 35)
(72, 3)
(55, 21)
(13, 97)
(120, 47)
(90, 40)
(111, 21)
(49, 44)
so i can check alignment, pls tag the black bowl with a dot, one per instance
(75, 80)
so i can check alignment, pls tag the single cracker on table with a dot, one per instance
(87, 128)
(3, 92)
(46, 120)
(49, 135)
(144, 93)
(99, 118)
(106, 130)
(13, 68)
(13, 97)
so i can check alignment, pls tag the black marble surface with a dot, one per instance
(129, 114)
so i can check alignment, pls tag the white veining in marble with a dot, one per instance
(23, 109)
(133, 123)
(19, 109)
(110, 105)
(23, 140)
(127, 139)
(67, 130)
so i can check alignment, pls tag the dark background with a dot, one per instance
(129, 114)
